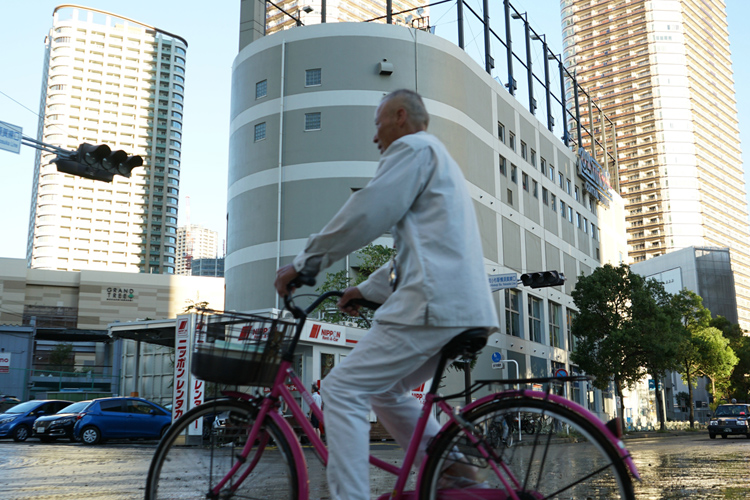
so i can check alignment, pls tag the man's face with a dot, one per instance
(387, 124)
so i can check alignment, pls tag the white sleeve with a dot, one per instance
(371, 211)
(377, 287)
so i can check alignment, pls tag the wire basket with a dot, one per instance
(239, 349)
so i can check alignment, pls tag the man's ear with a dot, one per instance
(401, 117)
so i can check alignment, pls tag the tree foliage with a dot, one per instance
(704, 351)
(738, 385)
(623, 329)
(61, 358)
(370, 258)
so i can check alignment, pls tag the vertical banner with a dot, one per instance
(197, 386)
(181, 399)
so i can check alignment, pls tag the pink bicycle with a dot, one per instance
(240, 446)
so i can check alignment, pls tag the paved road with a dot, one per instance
(673, 466)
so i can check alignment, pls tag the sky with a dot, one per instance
(212, 33)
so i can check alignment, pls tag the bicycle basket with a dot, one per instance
(239, 349)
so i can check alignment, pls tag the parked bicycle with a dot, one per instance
(254, 452)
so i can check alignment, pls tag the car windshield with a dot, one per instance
(23, 407)
(731, 411)
(75, 407)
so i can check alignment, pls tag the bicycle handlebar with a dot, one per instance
(299, 313)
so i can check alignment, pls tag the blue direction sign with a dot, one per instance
(10, 137)
(497, 361)
(502, 281)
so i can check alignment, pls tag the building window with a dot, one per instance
(535, 188)
(260, 131)
(503, 165)
(553, 202)
(513, 313)
(545, 195)
(570, 316)
(555, 322)
(501, 132)
(570, 214)
(567, 186)
(512, 141)
(593, 232)
(552, 173)
(579, 223)
(577, 194)
(543, 166)
(535, 319)
(524, 153)
(312, 121)
(513, 173)
(533, 158)
(562, 209)
(510, 197)
(261, 89)
(561, 180)
(525, 181)
(312, 77)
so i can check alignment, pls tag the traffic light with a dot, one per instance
(543, 279)
(99, 163)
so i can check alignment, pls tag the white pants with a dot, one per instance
(379, 373)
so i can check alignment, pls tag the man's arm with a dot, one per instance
(371, 211)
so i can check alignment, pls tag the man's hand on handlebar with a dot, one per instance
(345, 304)
(284, 277)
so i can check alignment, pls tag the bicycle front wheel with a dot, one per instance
(569, 459)
(201, 447)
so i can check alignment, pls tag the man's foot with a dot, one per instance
(460, 477)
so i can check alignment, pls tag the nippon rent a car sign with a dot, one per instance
(324, 333)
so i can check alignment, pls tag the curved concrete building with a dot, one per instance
(302, 122)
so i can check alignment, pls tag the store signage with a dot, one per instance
(324, 333)
(4, 362)
(118, 294)
(596, 179)
(10, 137)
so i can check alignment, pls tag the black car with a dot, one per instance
(729, 419)
(59, 425)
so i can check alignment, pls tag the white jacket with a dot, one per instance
(420, 194)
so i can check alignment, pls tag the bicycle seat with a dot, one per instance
(466, 343)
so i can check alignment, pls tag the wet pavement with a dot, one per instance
(674, 465)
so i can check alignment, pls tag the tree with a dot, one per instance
(619, 315)
(738, 385)
(61, 358)
(704, 350)
(371, 258)
(193, 306)
(658, 316)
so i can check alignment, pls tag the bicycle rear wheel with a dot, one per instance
(188, 466)
(571, 459)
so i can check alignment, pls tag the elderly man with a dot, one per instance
(434, 289)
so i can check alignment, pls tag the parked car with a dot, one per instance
(121, 418)
(17, 421)
(60, 425)
(729, 419)
(8, 402)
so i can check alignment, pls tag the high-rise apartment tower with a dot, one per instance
(662, 70)
(115, 81)
(195, 242)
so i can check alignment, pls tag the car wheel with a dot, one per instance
(21, 433)
(91, 435)
(724, 436)
(46, 439)
(713, 436)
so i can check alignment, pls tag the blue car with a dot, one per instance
(17, 421)
(121, 418)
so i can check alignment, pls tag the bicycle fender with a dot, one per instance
(561, 401)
